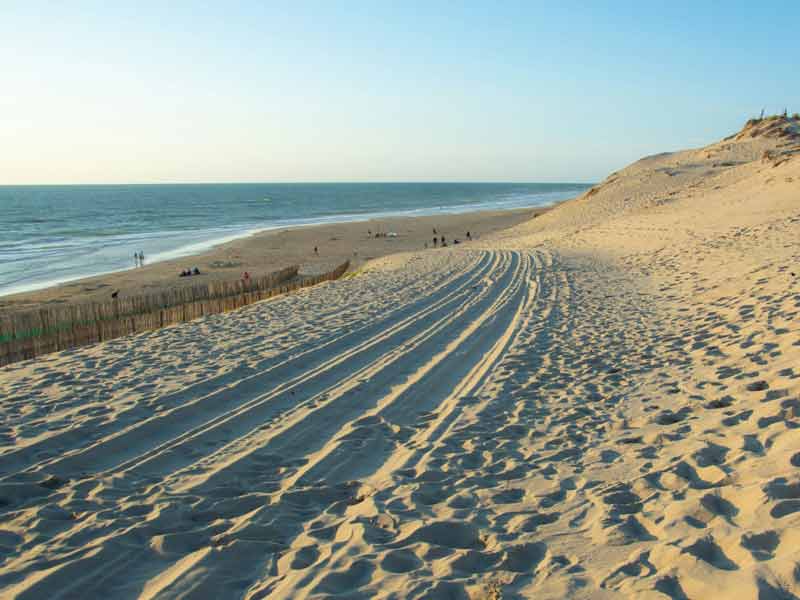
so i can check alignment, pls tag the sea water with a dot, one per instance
(54, 234)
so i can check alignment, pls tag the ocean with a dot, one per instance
(54, 234)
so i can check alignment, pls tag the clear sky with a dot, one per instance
(94, 92)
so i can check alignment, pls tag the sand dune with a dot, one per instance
(600, 403)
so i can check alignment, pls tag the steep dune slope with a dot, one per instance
(748, 159)
(710, 474)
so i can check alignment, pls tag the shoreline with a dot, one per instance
(264, 251)
(98, 256)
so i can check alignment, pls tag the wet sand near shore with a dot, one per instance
(269, 251)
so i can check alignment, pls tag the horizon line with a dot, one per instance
(299, 182)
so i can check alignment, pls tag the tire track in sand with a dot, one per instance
(439, 361)
(348, 393)
(157, 433)
(70, 445)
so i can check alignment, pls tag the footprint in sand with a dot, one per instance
(535, 521)
(757, 386)
(445, 535)
(524, 558)
(707, 550)
(736, 419)
(430, 494)
(400, 561)
(723, 402)
(463, 501)
(671, 587)
(304, 558)
(718, 506)
(761, 545)
(782, 489)
(474, 561)
(510, 496)
(640, 566)
(623, 501)
(626, 531)
(787, 492)
(355, 576)
(668, 417)
(713, 454)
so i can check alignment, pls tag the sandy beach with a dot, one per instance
(270, 251)
(600, 402)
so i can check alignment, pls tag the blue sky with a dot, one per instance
(372, 91)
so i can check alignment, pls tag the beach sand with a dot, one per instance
(273, 250)
(602, 402)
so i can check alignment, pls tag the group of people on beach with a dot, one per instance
(138, 258)
(440, 240)
(189, 272)
(381, 234)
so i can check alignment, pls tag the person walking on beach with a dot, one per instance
(316, 250)
(141, 258)
(435, 242)
(469, 237)
(136, 259)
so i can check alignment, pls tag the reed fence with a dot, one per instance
(25, 335)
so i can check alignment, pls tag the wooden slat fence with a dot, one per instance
(25, 335)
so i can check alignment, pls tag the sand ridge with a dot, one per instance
(602, 402)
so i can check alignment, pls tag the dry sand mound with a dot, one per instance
(601, 403)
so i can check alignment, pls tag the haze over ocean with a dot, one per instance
(53, 234)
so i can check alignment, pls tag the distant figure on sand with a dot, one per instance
(434, 231)
(246, 276)
(469, 237)
(316, 250)
(196, 271)
(435, 242)
(114, 294)
(141, 258)
(443, 242)
(136, 259)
